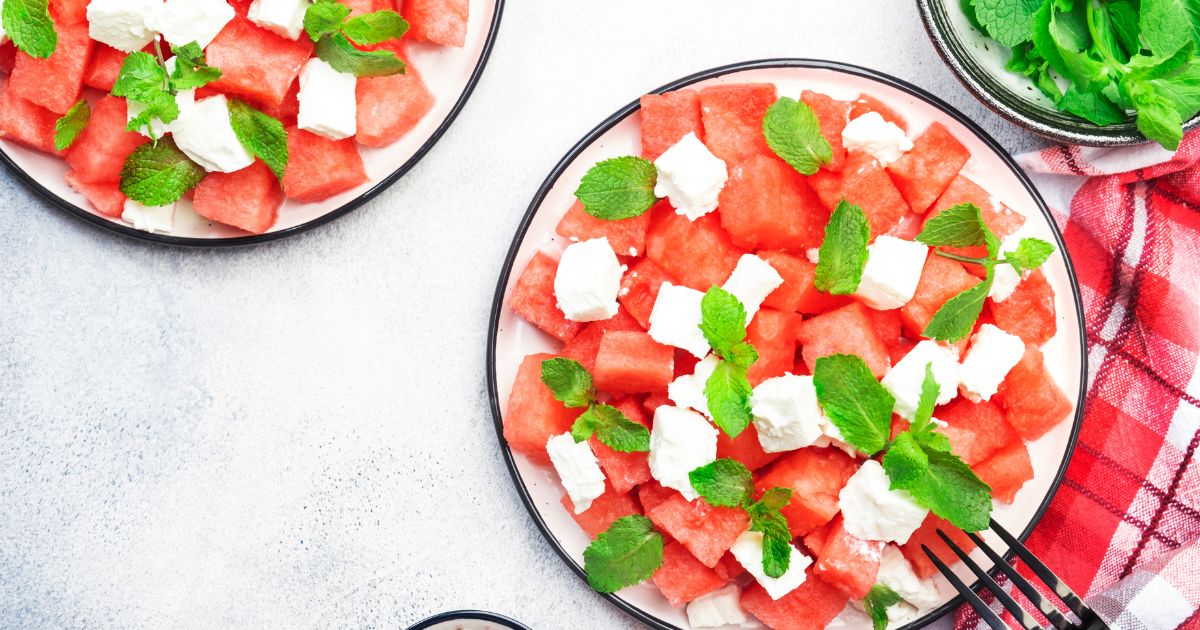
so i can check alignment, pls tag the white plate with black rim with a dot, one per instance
(511, 338)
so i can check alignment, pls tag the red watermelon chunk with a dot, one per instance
(54, 82)
(798, 293)
(104, 67)
(639, 289)
(926, 535)
(745, 448)
(439, 21)
(1029, 312)
(627, 236)
(534, 415)
(887, 326)
(68, 11)
(923, 173)
(707, 531)
(584, 346)
(773, 335)
(624, 470)
(653, 494)
(630, 362)
(815, 540)
(811, 606)
(533, 298)
(682, 577)
(255, 63)
(389, 107)
(667, 118)
(359, 7)
(766, 204)
(1006, 470)
(319, 168)
(848, 330)
(865, 183)
(287, 110)
(847, 562)
(8, 57)
(733, 117)
(1033, 401)
(605, 509)
(865, 104)
(652, 402)
(976, 430)
(816, 477)
(248, 199)
(1001, 220)
(26, 122)
(698, 253)
(99, 152)
(106, 198)
(941, 279)
(832, 116)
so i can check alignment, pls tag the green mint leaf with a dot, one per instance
(1072, 40)
(628, 553)
(376, 27)
(951, 490)
(905, 461)
(876, 603)
(727, 392)
(742, 355)
(956, 226)
(956, 318)
(766, 519)
(775, 499)
(794, 134)
(263, 136)
(569, 381)
(30, 27)
(928, 399)
(1125, 25)
(141, 78)
(1030, 254)
(722, 320)
(324, 18)
(855, 402)
(1094, 107)
(68, 128)
(968, 9)
(158, 174)
(1165, 25)
(1009, 22)
(1157, 117)
(843, 253)
(618, 188)
(191, 70)
(337, 51)
(612, 428)
(724, 483)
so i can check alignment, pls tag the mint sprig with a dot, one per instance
(728, 483)
(144, 79)
(191, 69)
(727, 391)
(723, 483)
(263, 136)
(857, 404)
(843, 253)
(627, 553)
(877, 602)
(618, 188)
(158, 173)
(68, 128)
(30, 27)
(572, 385)
(327, 24)
(793, 132)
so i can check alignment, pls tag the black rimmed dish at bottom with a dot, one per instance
(474, 620)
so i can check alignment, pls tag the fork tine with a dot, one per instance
(1023, 617)
(985, 613)
(1056, 618)
(1059, 587)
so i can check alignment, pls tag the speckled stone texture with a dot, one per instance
(297, 435)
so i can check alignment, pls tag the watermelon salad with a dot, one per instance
(794, 341)
(239, 105)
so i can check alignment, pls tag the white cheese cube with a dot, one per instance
(282, 17)
(588, 280)
(752, 280)
(691, 177)
(832, 436)
(748, 551)
(327, 103)
(577, 468)
(992, 354)
(184, 99)
(149, 218)
(721, 607)
(675, 319)
(873, 511)
(896, 573)
(687, 391)
(892, 272)
(905, 378)
(680, 442)
(873, 135)
(186, 21)
(786, 413)
(205, 134)
(126, 25)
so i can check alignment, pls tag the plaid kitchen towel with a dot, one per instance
(1121, 528)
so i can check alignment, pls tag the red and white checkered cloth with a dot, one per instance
(1124, 526)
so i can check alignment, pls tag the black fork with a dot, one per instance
(1088, 618)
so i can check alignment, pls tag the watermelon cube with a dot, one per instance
(667, 118)
(248, 199)
(389, 107)
(733, 118)
(534, 415)
(816, 477)
(865, 183)
(865, 104)
(626, 236)
(104, 67)
(729, 568)
(1006, 470)
(811, 606)
(798, 293)
(682, 577)
(923, 173)
(624, 470)
(832, 116)
(976, 430)
(887, 326)
(1000, 220)
(941, 279)
(359, 7)
(106, 198)
(847, 330)
(26, 122)
(533, 298)
(766, 204)
(439, 21)
(319, 168)
(639, 289)
(847, 562)
(286, 111)
(631, 362)
(8, 57)
(653, 494)
(815, 540)
(255, 63)
(66, 12)
(605, 509)
(1029, 312)
(773, 335)
(99, 152)
(584, 346)
(698, 253)
(707, 531)
(745, 448)
(55, 82)
(1032, 400)
(652, 402)
(926, 535)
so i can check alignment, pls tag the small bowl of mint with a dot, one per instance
(1088, 72)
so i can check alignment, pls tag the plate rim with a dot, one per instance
(476, 615)
(768, 63)
(252, 239)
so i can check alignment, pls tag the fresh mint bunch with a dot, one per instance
(30, 27)
(728, 483)
(793, 132)
(572, 385)
(854, 401)
(843, 253)
(628, 553)
(727, 391)
(68, 128)
(877, 602)
(618, 188)
(263, 136)
(328, 23)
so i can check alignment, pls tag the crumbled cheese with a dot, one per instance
(873, 135)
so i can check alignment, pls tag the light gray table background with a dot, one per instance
(297, 435)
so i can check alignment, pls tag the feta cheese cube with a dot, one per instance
(905, 378)
(786, 413)
(126, 25)
(184, 99)
(832, 436)
(186, 21)
(721, 607)
(282, 17)
(205, 134)
(892, 272)
(327, 103)
(873, 511)
(577, 468)
(680, 442)
(896, 573)
(588, 280)
(691, 177)
(149, 218)
(752, 280)
(675, 319)
(992, 354)
(873, 135)
(748, 551)
(687, 391)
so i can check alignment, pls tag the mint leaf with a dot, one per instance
(957, 226)
(742, 355)
(158, 174)
(191, 70)
(628, 553)
(905, 461)
(793, 132)
(1094, 107)
(727, 392)
(337, 51)
(618, 188)
(843, 251)
(376, 27)
(766, 519)
(1125, 24)
(855, 402)
(876, 603)
(324, 18)
(724, 483)
(951, 490)
(1030, 254)
(144, 80)
(1009, 22)
(29, 26)
(722, 320)
(1165, 25)
(263, 136)
(68, 128)
(612, 428)
(569, 381)
(1072, 40)
(922, 427)
(956, 318)
(1157, 117)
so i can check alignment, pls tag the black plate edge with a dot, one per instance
(475, 615)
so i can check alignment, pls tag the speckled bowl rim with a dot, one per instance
(598, 132)
(471, 615)
(236, 241)
(1002, 100)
